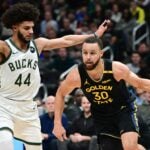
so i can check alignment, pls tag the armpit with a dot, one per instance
(2, 58)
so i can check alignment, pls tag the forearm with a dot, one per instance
(76, 39)
(144, 84)
(59, 107)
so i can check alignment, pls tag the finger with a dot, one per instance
(61, 138)
(106, 23)
(64, 136)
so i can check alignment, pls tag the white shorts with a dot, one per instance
(22, 119)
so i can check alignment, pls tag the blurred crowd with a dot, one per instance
(63, 17)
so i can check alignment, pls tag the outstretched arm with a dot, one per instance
(69, 40)
(72, 81)
(121, 71)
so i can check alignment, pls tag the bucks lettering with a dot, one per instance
(24, 63)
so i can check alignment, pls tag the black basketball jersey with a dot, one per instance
(107, 95)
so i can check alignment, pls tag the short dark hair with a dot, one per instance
(93, 39)
(20, 12)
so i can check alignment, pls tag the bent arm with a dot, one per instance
(68, 40)
(71, 82)
(121, 71)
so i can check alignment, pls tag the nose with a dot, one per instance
(31, 31)
(88, 56)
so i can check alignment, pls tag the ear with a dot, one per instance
(101, 53)
(14, 27)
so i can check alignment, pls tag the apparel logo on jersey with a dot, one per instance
(122, 107)
(106, 81)
(14, 52)
(32, 49)
(86, 82)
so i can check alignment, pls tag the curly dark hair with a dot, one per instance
(20, 12)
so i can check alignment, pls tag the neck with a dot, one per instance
(51, 114)
(87, 114)
(19, 44)
(97, 72)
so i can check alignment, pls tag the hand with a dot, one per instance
(44, 136)
(103, 27)
(76, 137)
(59, 132)
(79, 137)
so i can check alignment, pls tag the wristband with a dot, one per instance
(96, 35)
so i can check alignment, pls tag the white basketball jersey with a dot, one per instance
(19, 75)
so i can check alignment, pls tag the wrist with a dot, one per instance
(96, 35)
(57, 122)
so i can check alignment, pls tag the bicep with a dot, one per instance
(122, 72)
(133, 79)
(49, 44)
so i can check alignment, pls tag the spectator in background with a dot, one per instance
(116, 15)
(74, 109)
(51, 32)
(97, 14)
(137, 12)
(62, 61)
(135, 62)
(72, 19)
(144, 132)
(145, 4)
(65, 29)
(82, 128)
(47, 123)
(48, 18)
(143, 49)
(144, 109)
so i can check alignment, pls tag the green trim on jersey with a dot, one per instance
(30, 143)
(111, 135)
(12, 42)
(7, 128)
(36, 48)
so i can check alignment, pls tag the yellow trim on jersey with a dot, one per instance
(110, 135)
(108, 71)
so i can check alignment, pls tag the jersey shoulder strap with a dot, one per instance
(108, 66)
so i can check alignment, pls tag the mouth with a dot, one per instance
(88, 63)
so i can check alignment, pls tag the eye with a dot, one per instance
(92, 53)
(85, 53)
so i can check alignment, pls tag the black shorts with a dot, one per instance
(117, 124)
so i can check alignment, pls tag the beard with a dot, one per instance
(91, 66)
(22, 38)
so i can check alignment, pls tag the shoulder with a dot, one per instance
(71, 81)
(73, 76)
(3, 46)
(42, 117)
(4, 49)
(119, 66)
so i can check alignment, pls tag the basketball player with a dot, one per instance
(20, 78)
(112, 107)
